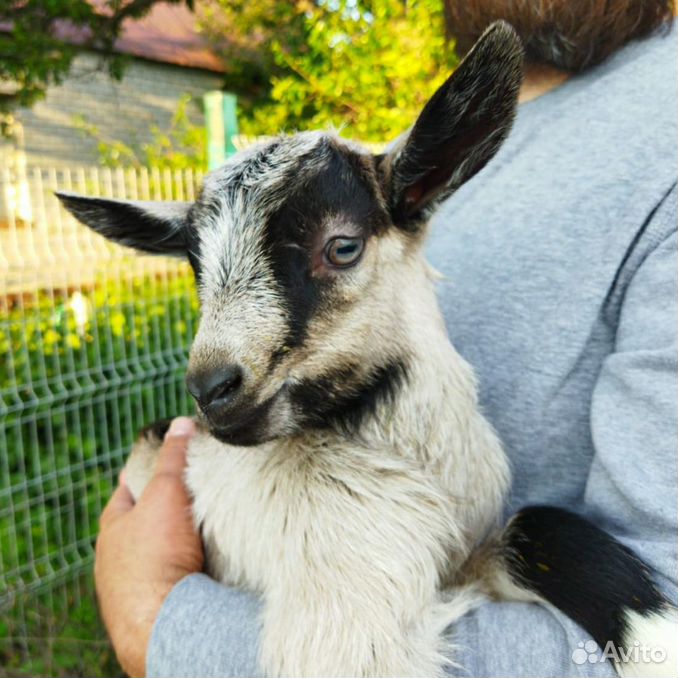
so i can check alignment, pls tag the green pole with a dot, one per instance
(221, 120)
(230, 106)
(214, 122)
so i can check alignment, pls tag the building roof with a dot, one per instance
(168, 34)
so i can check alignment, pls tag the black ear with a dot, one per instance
(154, 227)
(459, 130)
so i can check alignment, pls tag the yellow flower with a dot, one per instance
(50, 337)
(73, 340)
(118, 323)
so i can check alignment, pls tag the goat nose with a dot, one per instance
(215, 387)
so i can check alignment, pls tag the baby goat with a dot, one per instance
(342, 469)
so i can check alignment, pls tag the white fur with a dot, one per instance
(657, 632)
(349, 543)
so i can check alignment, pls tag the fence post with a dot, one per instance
(221, 121)
(230, 122)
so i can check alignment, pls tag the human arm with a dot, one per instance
(144, 549)
(630, 490)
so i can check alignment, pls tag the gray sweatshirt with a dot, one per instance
(560, 289)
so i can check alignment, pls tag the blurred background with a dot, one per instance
(137, 99)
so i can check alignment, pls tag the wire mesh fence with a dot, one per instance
(93, 345)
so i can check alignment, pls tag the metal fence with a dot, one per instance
(93, 345)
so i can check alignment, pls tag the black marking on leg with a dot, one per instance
(581, 570)
(156, 431)
(342, 400)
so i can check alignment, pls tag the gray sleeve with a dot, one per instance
(209, 630)
(523, 640)
(630, 491)
(205, 629)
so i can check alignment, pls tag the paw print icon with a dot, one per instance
(586, 652)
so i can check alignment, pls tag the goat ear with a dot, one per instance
(153, 227)
(459, 130)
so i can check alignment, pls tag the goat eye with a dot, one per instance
(343, 252)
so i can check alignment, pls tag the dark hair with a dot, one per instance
(569, 34)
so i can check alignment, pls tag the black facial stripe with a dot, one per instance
(291, 269)
(342, 401)
(582, 570)
(337, 189)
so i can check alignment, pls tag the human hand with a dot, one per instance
(144, 549)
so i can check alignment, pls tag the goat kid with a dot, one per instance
(343, 470)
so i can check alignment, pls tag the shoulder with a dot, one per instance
(614, 126)
(587, 162)
(631, 102)
(577, 195)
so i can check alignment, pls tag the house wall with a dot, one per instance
(122, 110)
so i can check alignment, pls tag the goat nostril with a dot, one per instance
(228, 387)
(218, 386)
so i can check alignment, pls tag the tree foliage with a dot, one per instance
(367, 66)
(37, 41)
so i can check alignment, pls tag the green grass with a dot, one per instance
(57, 633)
(73, 396)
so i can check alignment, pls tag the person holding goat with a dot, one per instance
(559, 289)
